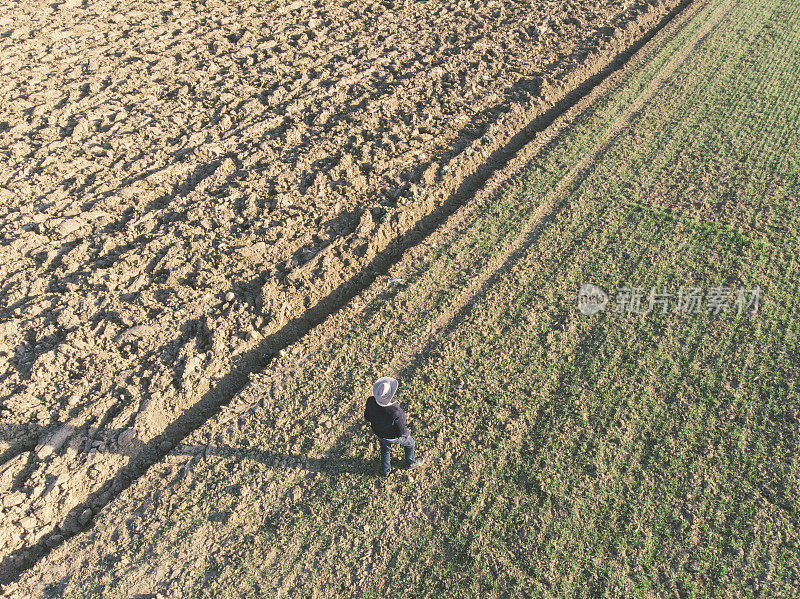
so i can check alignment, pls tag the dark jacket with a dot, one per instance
(388, 422)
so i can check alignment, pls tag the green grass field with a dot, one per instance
(619, 454)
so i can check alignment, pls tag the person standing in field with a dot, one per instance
(388, 421)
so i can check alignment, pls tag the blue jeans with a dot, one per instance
(407, 443)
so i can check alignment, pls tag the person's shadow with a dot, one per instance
(331, 465)
(355, 439)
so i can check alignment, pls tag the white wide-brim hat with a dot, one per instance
(384, 389)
